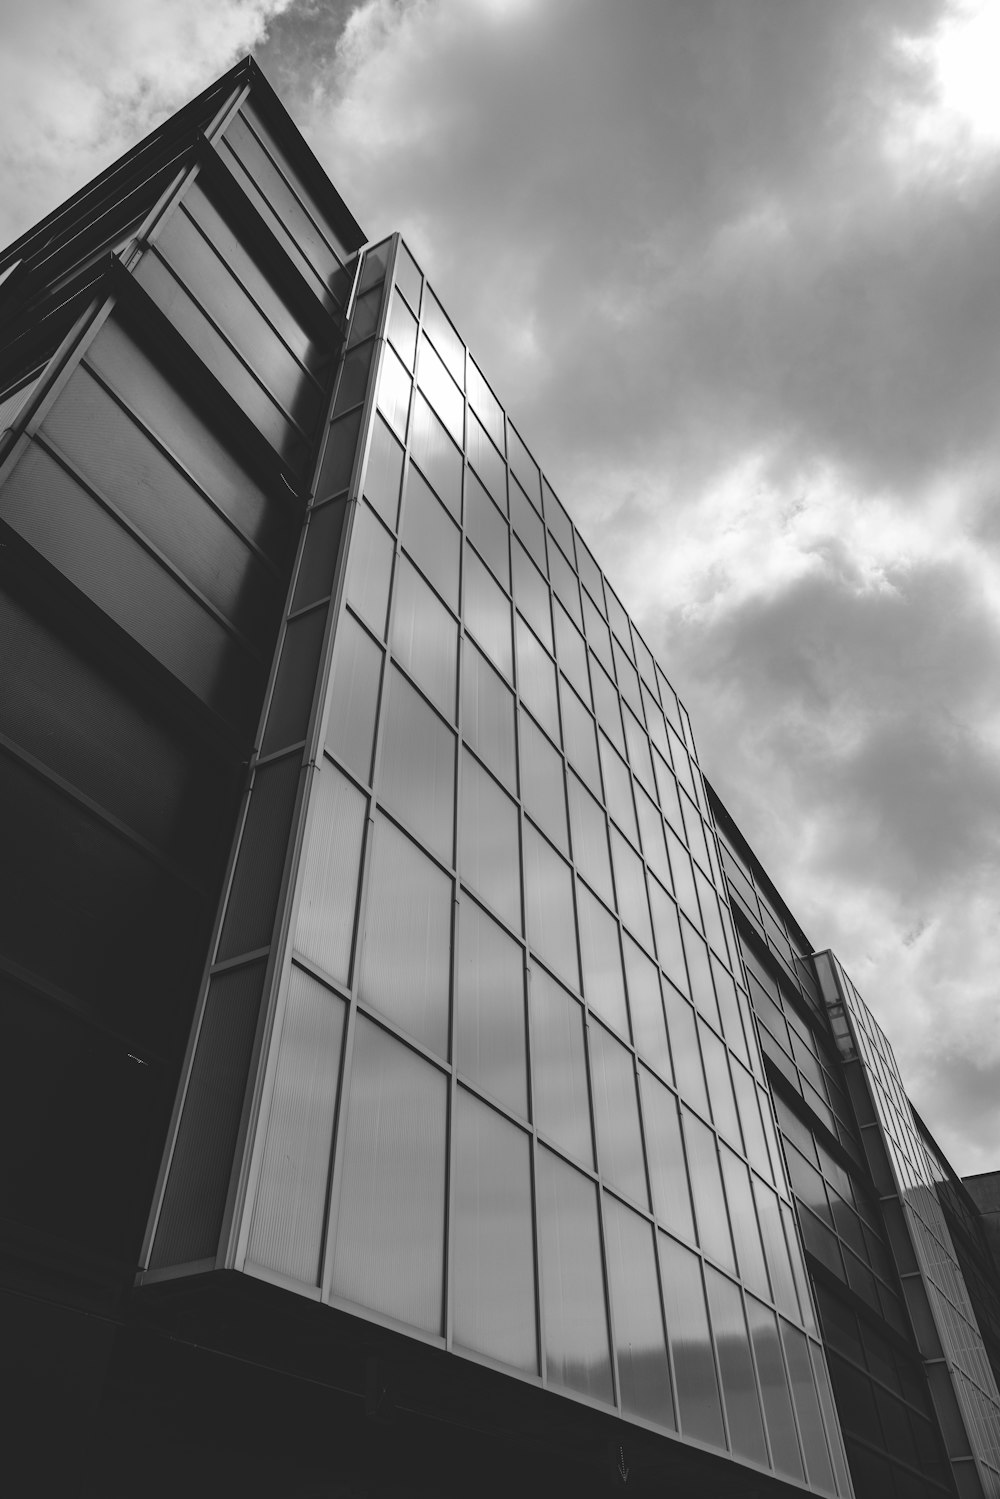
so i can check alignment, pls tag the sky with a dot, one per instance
(734, 268)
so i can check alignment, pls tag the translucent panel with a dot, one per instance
(669, 796)
(330, 873)
(590, 839)
(639, 755)
(416, 771)
(739, 1387)
(531, 595)
(616, 1115)
(446, 340)
(618, 790)
(668, 1175)
(536, 679)
(488, 714)
(364, 319)
(743, 1217)
(753, 1131)
(488, 463)
(775, 1248)
(488, 842)
(390, 1221)
(286, 1233)
(696, 1388)
(774, 1389)
(598, 634)
(543, 783)
(487, 613)
(524, 466)
(651, 829)
(706, 1185)
(394, 392)
(375, 262)
(369, 568)
(580, 738)
(439, 459)
(700, 974)
(646, 1006)
(680, 864)
(487, 529)
(643, 1373)
(817, 1455)
(484, 403)
(628, 681)
(681, 1028)
(720, 1088)
(320, 555)
(577, 1354)
(654, 722)
(630, 883)
(353, 378)
(492, 1250)
(603, 987)
(489, 1007)
(798, 1267)
(402, 330)
(566, 585)
(440, 389)
(431, 538)
(527, 524)
(571, 653)
(357, 674)
(606, 705)
(384, 472)
(559, 1066)
(424, 638)
(405, 959)
(548, 898)
(295, 684)
(408, 276)
(729, 1010)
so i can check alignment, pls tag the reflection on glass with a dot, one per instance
(447, 341)
(598, 634)
(577, 1353)
(646, 1006)
(749, 1254)
(548, 898)
(651, 828)
(489, 1007)
(706, 1185)
(753, 1133)
(430, 537)
(617, 618)
(628, 682)
(567, 589)
(668, 1174)
(416, 771)
(606, 705)
(523, 465)
(531, 594)
(830, 1417)
(638, 752)
(394, 392)
(488, 463)
(711, 919)
(729, 1009)
(666, 926)
(682, 1030)
(408, 276)
(488, 714)
(603, 987)
(559, 1066)
(668, 795)
(558, 521)
(493, 1263)
(806, 1401)
(618, 790)
(774, 1389)
(680, 864)
(543, 786)
(384, 472)
(487, 613)
(643, 1373)
(527, 524)
(403, 330)
(484, 403)
(696, 1389)
(487, 841)
(424, 637)
(369, 568)
(616, 1114)
(720, 1088)
(440, 389)
(487, 529)
(775, 1248)
(630, 883)
(439, 459)
(330, 872)
(357, 673)
(536, 680)
(654, 720)
(571, 652)
(739, 1388)
(406, 947)
(580, 738)
(390, 1223)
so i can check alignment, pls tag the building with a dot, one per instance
(415, 1084)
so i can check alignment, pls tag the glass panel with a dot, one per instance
(524, 466)
(330, 872)
(720, 1088)
(536, 680)
(531, 595)
(653, 844)
(775, 1248)
(527, 524)
(559, 1066)
(753, 1132)
(487, 613)
(488, 713)
(729, 1009)
(493, 1259)
(402, 330)
(700, 974)
(590, 839)
(739, 1387)
(743, 1218)
(577, 1353)
(543, 784)
(654, 723)
(369, 568)
(424, 637)
(617, 617)
(598, 635)
(580, 738)
(487, 841)
(447, 341)
(630, 882)
(548, 898)
(668, 795)
(618, 790)
(830, 1417)
(440, 389)
(484, 403)
(639, 755)
(390, 1222)
(643, 1374)
(711, 920)
(416, 771)
(567, 588)
(706, 1184)
(606, 704)
(405, 958)
(696, 1388)
(648, 1025)
(357, 675)
(807, 1409)
(489, 1007)
(681, 1029)
(287, 1229)
(384, 472)
(774, 1389)
(559, 522)
(364, 319)
(666, 925)
(628, 679)
(394, 392)
(431, 538)
(408, 276)
(571, 653)
(680, 864)
(668, 1174)
(439, 459)
(487, 529)
(603, 987)
(487, 462)
(616, 1115)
